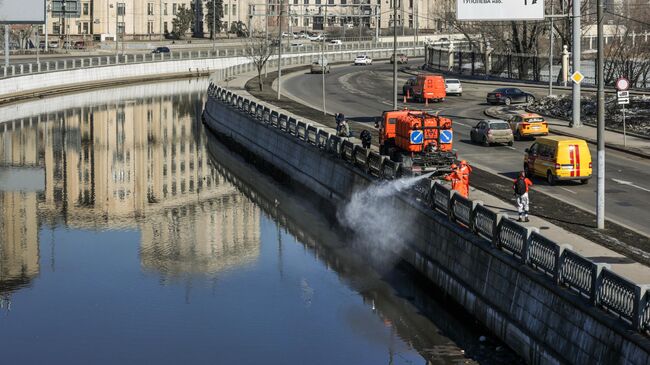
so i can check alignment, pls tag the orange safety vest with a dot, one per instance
(459, 182)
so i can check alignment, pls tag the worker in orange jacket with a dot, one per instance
(459, 182)
(464, 169)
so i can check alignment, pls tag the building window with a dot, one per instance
(174, 8)
(225, 9)
(234, 9)
(343, 2)
(121, 9)
(150, 9)
(150, 27)
(165, 9)
(225, 26)
(86, 28)
(306, 2)
(331, 2)
(85, 9)
(295, 2)
(318, 2)
(56, 28)
(120, 28)
(165, 27)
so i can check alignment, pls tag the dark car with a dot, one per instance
(509, 95)
(79, 45)
(161, 50)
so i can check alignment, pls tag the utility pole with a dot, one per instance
(550, 56)
(47, 10)
(600, 134)
(394, 54)
(322, 60)
(160, 16)
(6, 46)
(214, 23)
(280, 51)
(575, 120)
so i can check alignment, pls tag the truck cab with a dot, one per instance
(387, 128)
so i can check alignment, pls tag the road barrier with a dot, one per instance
(627, 301)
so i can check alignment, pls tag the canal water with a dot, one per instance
(129, 234)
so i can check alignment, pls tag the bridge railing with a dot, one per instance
(558, 263)
(87, 62)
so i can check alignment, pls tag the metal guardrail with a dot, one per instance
(620, 297)
(599, 286)
(513, 237)
(579, 274)
(83, 62)
(461, 209)
(544, 255)
(441, 198)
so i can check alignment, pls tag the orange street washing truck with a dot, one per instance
(528, 125)
(558, 158)
(428, 87)
(420, 140)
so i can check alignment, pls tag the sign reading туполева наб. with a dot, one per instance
(500, 9)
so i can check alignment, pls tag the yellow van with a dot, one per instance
(558, 158)
(528, 125)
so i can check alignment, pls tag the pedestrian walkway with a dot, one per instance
(614, 140)
(620, 264)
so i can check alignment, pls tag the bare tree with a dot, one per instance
(258, 50)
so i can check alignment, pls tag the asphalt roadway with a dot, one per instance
(363, 92)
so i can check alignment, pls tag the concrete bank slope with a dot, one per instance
(543, 322)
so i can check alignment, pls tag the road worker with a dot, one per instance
(464, 170)
(366, 138)
(521, 186)
(458, 182)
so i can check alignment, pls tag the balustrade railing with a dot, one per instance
(559, 263)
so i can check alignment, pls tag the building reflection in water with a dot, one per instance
(127, 165)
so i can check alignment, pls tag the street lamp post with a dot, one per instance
(214, 23)
(322, 60)
(575, 118)
(600, 133)
(395, 54)
(280, 51)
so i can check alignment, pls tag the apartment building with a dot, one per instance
(152, 19)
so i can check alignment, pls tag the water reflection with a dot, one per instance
(134, 185)
(124, 165)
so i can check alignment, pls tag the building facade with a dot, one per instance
(152, 19)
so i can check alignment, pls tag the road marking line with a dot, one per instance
(570, 191)
(629, 183)
(510, 147)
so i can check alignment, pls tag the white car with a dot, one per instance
(315, 37)
(336, 42)
(453, 86)
(363, 60)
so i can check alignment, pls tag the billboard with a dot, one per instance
(500, 9)
(22, 11)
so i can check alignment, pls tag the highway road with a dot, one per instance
(362, 93)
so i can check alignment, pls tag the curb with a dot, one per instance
(589, 140)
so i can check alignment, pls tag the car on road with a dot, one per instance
(526, 125)
(336, 42)
(53, 44)
(509, 95)
(320, 65)
(161, 50)
(401, 58)
(558, 158)
(297, 44)
(453, 86)
(491, 131)
(315, 37)
(79, 45)
(363, 60)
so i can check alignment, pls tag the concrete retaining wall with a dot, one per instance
(542, 322)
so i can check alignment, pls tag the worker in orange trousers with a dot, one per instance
(459, 182)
